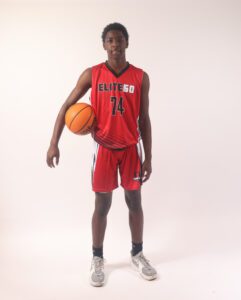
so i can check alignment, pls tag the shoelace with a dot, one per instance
(145, 261)
(98, 264)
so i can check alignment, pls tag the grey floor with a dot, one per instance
(191, 263)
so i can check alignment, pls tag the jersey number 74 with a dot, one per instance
(117, 105)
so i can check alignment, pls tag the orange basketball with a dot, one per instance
(80, 118)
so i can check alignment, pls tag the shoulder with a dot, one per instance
(145, 82)
(146, 77)
(98, 67)
(87, 71)
(136, 73)
(143, 74)
(86, 74)
(136, 69)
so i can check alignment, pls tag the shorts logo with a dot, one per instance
(137, 176)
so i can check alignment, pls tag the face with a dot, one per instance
(115, 44)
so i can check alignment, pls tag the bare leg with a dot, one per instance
(136, 219)
(99, 219)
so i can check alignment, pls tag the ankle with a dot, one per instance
(97, 251)
(136, 248)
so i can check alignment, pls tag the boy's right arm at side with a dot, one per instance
(82, 86)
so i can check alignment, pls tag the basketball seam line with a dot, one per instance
(85, 123)
(77, 115)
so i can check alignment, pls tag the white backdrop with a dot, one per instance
(191, 51)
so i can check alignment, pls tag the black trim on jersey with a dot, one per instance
(113, 72)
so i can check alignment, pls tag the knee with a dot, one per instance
(102, 204)
(133, 201)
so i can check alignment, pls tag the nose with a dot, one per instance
(115, 43)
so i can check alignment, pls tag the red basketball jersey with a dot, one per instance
(116, 101)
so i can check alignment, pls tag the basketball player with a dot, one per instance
(119, 96)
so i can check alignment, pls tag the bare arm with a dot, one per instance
(145, 128)
(82, 86)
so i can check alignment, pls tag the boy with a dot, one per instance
(119, 96)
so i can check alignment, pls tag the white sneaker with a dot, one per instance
(97, 275)
(143, 266)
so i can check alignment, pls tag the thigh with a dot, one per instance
(130, 168)
(104, 170)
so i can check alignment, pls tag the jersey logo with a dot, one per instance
(114, 86)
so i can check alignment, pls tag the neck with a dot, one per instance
(117, 64)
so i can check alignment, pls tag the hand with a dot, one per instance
(146, 170)
(53, 152)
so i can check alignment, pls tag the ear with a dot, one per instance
(104, 46)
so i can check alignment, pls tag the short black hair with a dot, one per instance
(115, 26)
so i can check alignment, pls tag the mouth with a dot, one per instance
(116, 51)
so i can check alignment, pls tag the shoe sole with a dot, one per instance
(96, 284)
(149, 278)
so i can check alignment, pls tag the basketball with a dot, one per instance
(80, 118)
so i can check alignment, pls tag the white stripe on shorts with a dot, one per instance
(95, 153)
(139, 150)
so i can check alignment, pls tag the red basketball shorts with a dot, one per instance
(107, 162)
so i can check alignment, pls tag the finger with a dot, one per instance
(146, 176)
(57, 160)
(47, 159)
(52, 162)
(48, 162)
(143, 172)
(145, 179)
